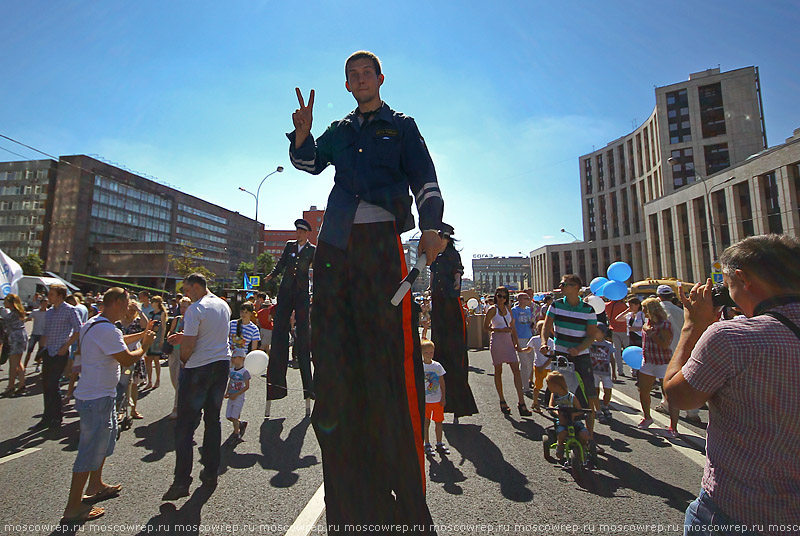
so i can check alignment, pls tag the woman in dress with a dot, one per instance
(132, 325)
(656, 353)
(13, 318)
(448, 330)
(503, 345)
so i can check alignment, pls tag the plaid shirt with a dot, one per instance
(60, 323)
(652, 353)
(751, 367)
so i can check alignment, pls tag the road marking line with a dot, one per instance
(307, 520)
(689, 452)
(19, 454)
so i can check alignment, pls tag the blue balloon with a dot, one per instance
(632, 355)
(596, 283)
(614, 290)
(619, 271)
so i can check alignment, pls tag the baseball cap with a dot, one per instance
(663, 290)
(602, 327)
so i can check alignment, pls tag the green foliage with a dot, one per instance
(32, 264)
(185, 263)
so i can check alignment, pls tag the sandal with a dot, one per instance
(441, 447)
(523, 410)
(109, 491)
(428, 448)
(504, 408)
(137, 415)
(87, 515)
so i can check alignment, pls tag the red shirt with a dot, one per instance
(264, 316)
(613, 309)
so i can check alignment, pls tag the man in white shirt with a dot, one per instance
(206, 356)
(103, 349)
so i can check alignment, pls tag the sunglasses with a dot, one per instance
(565, 284)
(505, 296)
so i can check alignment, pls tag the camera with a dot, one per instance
(721, 297)
(156, 323)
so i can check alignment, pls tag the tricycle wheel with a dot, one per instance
(576, 462)
(547, 442)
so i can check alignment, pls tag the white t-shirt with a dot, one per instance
(99, 370)
(433, 375)
(675, 315)
(208, 319)
(535, 342)
(38, 321)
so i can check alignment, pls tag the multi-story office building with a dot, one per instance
(423, 281)
(697, 128)
(103, 221)
(488, 273)
(24, 211)
(758, 196)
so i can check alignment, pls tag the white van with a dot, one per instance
(29, 285)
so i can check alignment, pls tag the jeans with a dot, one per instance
(704, 518)
(98, 433)
(200, 389)
(52, 368)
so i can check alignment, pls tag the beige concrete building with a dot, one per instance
(697, 128)
(758, 196)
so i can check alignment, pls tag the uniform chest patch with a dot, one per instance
(386, 132)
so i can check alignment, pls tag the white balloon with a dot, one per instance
(472, 303)
(256, 362)
(597, 304)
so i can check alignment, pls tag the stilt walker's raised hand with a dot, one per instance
(303, 117)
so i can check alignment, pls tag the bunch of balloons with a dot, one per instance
(613, 287)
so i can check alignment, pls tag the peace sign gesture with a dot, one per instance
(303, 116)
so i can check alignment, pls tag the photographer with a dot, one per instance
(748, 371)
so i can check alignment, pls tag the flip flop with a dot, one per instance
(109, 491)
(88, 515)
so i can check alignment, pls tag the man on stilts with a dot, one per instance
(368, 371)
(294, 264)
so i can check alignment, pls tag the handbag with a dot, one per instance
(567, 369)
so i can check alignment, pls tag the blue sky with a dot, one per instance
(507, 94)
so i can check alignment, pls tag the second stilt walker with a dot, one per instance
(294, 264)
(448, 327)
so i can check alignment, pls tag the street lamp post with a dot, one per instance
(709, 216)
(572, 235)
(255, 196)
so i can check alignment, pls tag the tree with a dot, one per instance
(244, 268)
(266, 262)
(32, 264)
(185, 263)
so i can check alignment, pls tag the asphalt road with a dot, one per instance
(494, 481)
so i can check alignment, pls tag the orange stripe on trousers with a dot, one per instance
(408, 362)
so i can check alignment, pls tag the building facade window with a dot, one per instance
(745, 209)
(626, 222)
(590, 214)
(712, 110)
(682, 167)
(621, 158)
(678, 116)
(587, 173)
(717, 158)
(601, 180)
(770, 186)
(612, 175)
(202, 213)
(686, 242)
(722, 214)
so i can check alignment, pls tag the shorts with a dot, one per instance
(658, 371)
(234, 408)
(98, 433)
(32, 340)
(434, 411)
(578, 425)
(539, 373)
(266, 338)
(583, 368)
(604, 379)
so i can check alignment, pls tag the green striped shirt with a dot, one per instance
(570, 324)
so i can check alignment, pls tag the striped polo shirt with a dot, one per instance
(570, 323)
